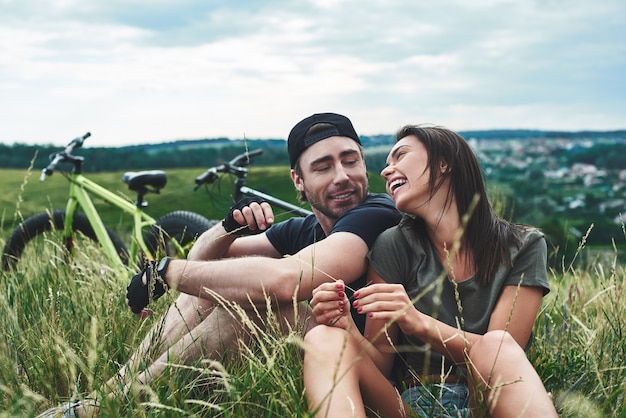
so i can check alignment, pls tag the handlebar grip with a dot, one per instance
(55, 159)
(208, 176)
(243, 160)
(235, 166)
(77, 142)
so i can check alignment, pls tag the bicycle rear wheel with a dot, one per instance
(39, 232)
(183, 226)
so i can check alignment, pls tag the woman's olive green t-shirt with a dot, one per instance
(398, 256)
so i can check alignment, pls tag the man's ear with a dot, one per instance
(297, 181)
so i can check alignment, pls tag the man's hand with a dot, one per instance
(147, 285)
(249, 216)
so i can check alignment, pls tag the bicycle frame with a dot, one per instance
(80, 187)
(274, 201)
(170, 234)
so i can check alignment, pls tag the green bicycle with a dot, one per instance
(171, 234)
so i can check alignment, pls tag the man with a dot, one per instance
(245, 261)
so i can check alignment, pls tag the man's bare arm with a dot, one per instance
(218, 243)
(341, 255)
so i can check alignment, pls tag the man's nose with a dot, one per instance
(341, 175)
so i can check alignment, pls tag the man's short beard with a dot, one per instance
(324, 209)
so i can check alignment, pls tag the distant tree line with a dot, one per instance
(102, 159)
(208, 152)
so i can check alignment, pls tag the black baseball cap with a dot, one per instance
(298, 141)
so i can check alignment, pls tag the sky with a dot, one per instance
(148, 71)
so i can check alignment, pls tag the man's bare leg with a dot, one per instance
(181, 318)
(212, 338)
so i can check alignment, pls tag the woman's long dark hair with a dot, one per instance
(487, 235)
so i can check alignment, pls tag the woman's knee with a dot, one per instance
(323, 333)
(495, 348)
(322, 338)
(493, 340)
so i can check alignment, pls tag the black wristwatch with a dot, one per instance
(162, 267)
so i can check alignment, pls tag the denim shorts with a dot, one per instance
(439, 400)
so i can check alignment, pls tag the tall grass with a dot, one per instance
(580, 340)
(66, 330)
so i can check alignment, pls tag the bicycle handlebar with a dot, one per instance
(236, 166)
(65, 156)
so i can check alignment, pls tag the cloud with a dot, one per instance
(146, 71)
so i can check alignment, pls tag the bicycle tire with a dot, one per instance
(41, 223)
(182, 225)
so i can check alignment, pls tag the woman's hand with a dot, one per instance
(331, 305)
(389, 303)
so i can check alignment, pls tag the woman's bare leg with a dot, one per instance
(338, 376)
(509, 381)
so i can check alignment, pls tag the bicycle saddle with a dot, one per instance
(137, 181)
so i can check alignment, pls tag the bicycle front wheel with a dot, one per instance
(182, 226)
(41, 234)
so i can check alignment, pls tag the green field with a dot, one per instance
(65, 327)
(22, 194)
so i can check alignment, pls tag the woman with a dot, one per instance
(455, 290)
